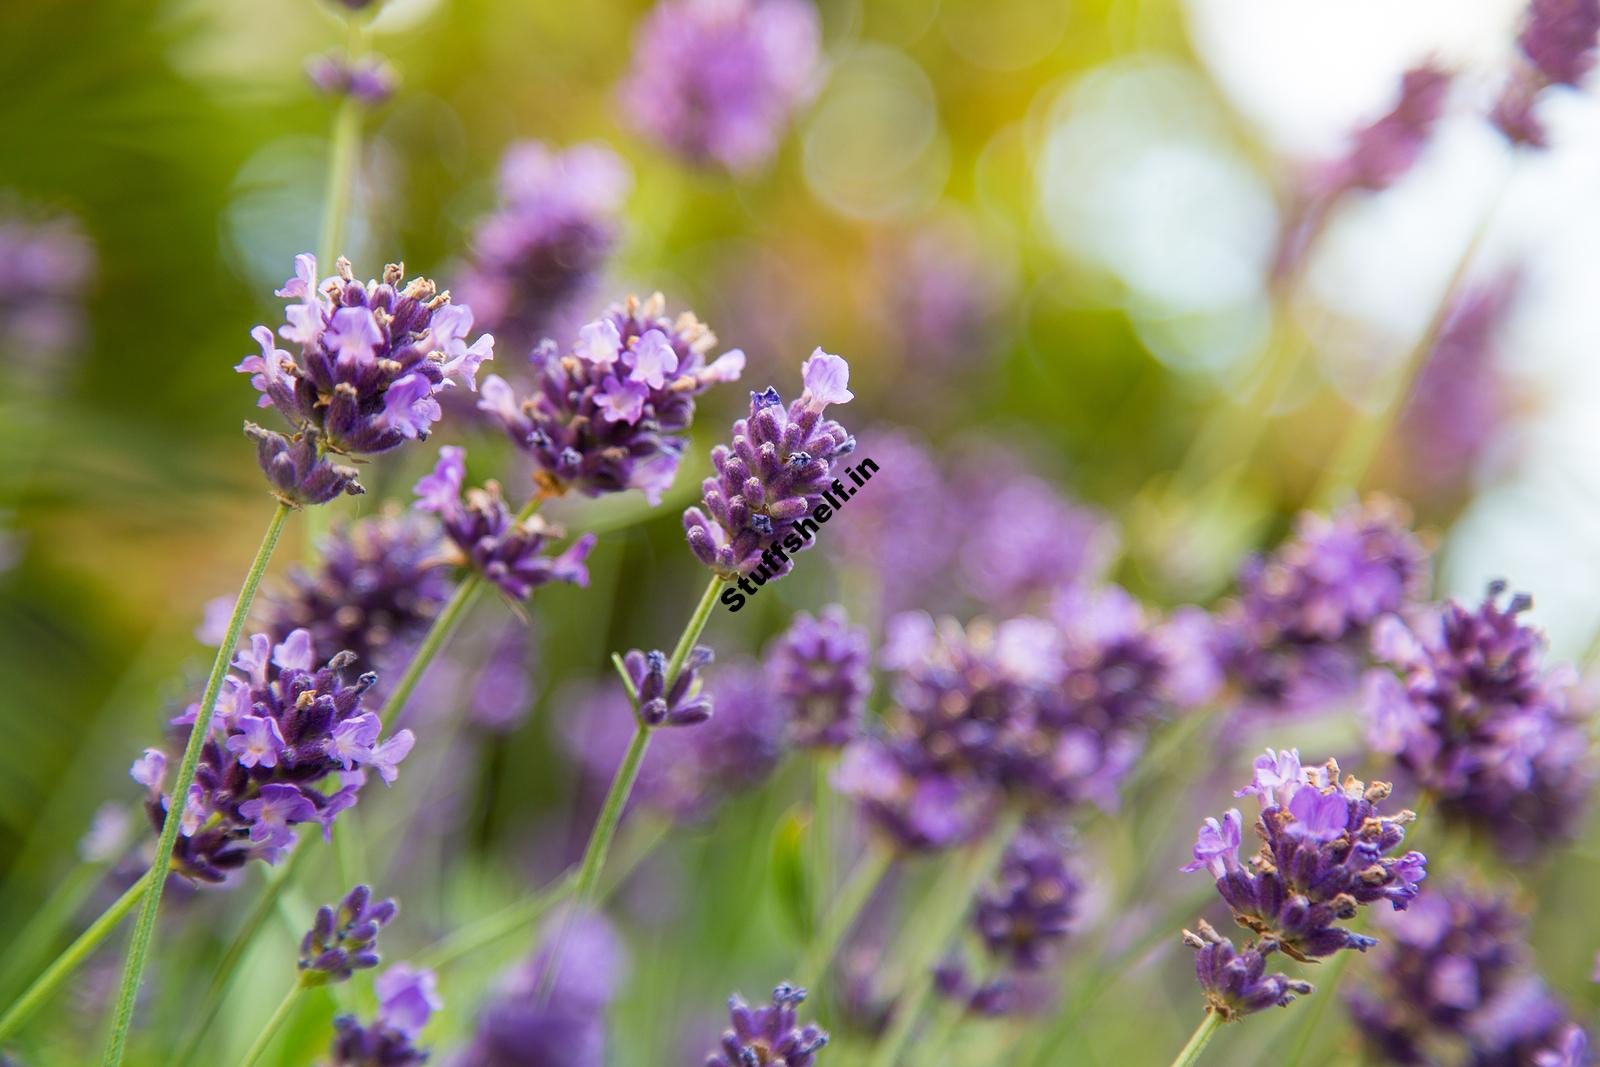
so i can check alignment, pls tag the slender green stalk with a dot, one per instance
(444, 625)
(65, 964)
(605, 827)
(822, 831)
(865, 877)
(342, 155)
(1198, 1040)
(144, 928)
(493, 928)
(942, 922)
(279, 1016)
(233, 956)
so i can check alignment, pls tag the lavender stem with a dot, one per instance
(144, 928)
(279, 1016)
(869, 870)
(1198, 1040)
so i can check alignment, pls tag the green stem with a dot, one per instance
(342, 153)
(821, 832)
(934, 936)
(868, 872)
(1198, 1040)
(444, 624)
(692, 631)
(70, 959)
(274, 1024)
(493, 928)
(233, 956)
(144, 928)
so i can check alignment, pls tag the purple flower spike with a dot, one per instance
(371, 80)
(370, 361)
(683, 704)
(717, 80)
(1297, 634)
(1473, 715)
(1456, 972)
(768, 1036)
(1236, 983)
(770, 483)
(538, 254)
(407, 996)
(1383, 151)
(821, 670)
(283, 727)
(490, 540)
(1558, 48)
(1326, 852)
(344, 939)
(1027, 916)
(593, 424)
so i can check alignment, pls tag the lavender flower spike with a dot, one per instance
(407, 997)
(768, 1036)
(490, 540)
(1325, 853)
(611, 415)
(717, 80)
(821, 672)
(1558, 48)
(683, 704)
(370, 361)
(1027, 916)
(1235, 982)
(538, 254)
(772, 476)
(344, 940)
(282, 727)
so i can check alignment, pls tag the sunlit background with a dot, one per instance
(1092, 194)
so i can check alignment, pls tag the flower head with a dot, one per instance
(1326, 852)
(717, 80)
(343, 939)
(1558, 48)
(770, 481)
(282, 728)
(407, 997)
(507, 551)
(46, 266)
(1027, 916)
(1235, 982)
(369, 361)
(821, 671)
(1298, 632)
(370, 80)
(611, 415)
(681, 705)
(769, 1035)
(538, 253)
(1472, 713)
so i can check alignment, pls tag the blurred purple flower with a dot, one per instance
(716, 81)
(407, 997)
(370, 79)
(1027, 915)
(504, 694)
(821, 671)
(538, 254)
(612, 415)
(1558, 48)
(1475, 717)
(46, 266)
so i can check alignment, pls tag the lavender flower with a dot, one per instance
(821, 672)
(407, 997)
(1236, 983)
(371, 361)
(768, 1036)
(683, 704)
(505, 550)
(379, 582)
(371, 80)
(281, 728)
(46, 264)
(772, 477)
(344, 940)
(1474, 716)
(1456, 974)
(612, 415)
(567, 1026)
(1460, 403)
(1325, 853)
(538, 254)
(1297, 634)
(1558, 48)
(716, 81)
(1026, 917)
